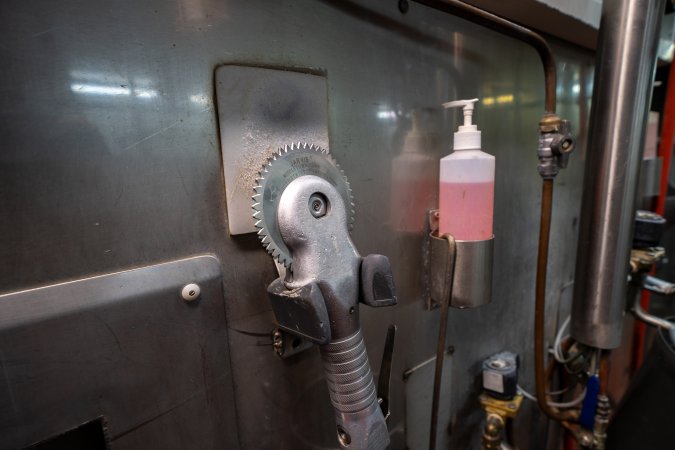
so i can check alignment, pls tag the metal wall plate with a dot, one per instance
(419, 380)
(125, 346)
(259, 111)
(124, 177)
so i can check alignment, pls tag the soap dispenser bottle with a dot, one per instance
(467, 177)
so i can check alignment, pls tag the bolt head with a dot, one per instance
(190, 292)
(318, 205)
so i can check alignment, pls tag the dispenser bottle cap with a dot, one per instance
(467, 136)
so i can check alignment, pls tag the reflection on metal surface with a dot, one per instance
(110, 345)
(627, 54)
(414, 172)
(94, 83)
(499, 100)
(149, 173)
(459, 271)
(418, 397)
(387, 115)
(260, 111)
(99, 90)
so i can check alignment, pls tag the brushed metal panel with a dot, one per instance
(124, 346)
(418, 398)
(96, 177)
(259, 111)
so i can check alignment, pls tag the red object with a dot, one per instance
(666, 154)
(570, 442)
(666, 144)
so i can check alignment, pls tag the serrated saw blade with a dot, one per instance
(284, 166)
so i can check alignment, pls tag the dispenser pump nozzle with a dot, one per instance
(468, 110)
(467, 136)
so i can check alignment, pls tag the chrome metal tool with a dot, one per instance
(303, 210)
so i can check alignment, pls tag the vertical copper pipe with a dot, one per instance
(440, 345)
(540, 305)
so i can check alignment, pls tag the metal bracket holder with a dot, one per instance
(459, 275)
(460, 271)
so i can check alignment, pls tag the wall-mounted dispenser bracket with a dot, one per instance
(460, 271)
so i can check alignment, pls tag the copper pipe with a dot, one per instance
(540, 307)
(511, 29)
(440, 344)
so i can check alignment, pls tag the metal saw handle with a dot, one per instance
(318, 298)
(359, 419)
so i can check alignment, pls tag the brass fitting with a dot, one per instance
(497, 412)
(493, 431)
(642, 260)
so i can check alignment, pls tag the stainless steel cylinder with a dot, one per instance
(469, 282)
(622, 91)
(472, 284)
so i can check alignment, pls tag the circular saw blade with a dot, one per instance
(284, 166)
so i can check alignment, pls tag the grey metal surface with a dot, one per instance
(626, 60)
(125, 346)
(261, 110)
(96, 177)
(649, 179)
(461, 270)
(418, 381)
(472, 286)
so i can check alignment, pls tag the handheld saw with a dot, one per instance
(302, 205)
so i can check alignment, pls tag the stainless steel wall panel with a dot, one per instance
(110, 159)
(124, 346)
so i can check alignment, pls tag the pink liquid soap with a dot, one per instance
(466, 210)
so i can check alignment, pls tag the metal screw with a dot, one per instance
(278, 342)
(318, 205)
(190, 292)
